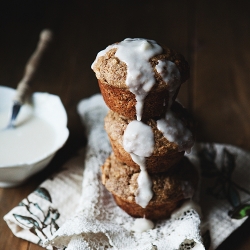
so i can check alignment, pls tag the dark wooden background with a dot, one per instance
(214, 36)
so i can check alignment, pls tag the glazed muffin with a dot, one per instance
(169, 189)
(166, 153)
(138, 78)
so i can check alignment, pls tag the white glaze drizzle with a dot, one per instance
(170, 75)
(140, 75)
(138, 140)
(174, 131)
(141, 225)
(144, 192)
(31, 139)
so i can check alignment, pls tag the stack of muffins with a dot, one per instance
(147, 172)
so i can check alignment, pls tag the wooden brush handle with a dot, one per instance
(32, 66)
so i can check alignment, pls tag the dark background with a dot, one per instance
(213, 36)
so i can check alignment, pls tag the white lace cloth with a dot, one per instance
(90, 219)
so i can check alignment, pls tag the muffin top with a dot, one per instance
(176, 184)
(140, 62)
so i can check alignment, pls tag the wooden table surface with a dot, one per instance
(213, 36)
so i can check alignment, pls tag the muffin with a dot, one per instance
(166, 153)
(170, 189)
(138, 78)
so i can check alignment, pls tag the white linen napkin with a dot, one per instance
(74, 211)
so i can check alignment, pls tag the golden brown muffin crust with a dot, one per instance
(122, 101)
(115, 125)
(121, 180)
(110, 70)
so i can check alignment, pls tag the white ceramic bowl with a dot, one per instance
(50, 109)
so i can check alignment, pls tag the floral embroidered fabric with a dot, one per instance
(73, 210)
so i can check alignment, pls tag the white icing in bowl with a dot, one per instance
(46, 112)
